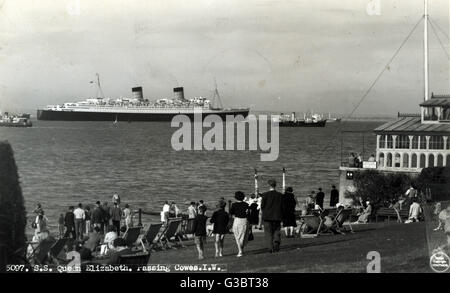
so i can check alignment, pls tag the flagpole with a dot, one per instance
(256, 183)
(284, 180)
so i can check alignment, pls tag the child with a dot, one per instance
(61, 225)
(220, 220)
(199, 228)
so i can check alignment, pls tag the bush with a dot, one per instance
(437, 181)
(12, 210)
(380, 188)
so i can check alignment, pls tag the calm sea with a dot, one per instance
(64, 163)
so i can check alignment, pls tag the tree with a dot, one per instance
(12, 210)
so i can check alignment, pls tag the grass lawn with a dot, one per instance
(403, 248)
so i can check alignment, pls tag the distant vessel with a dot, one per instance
(331, 119)
(11, 120)
(313, 120)
(136, 108)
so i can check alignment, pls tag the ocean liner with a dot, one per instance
(136, 108)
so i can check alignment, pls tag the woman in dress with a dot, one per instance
(289, 203)
(128, 216)
(239, 210)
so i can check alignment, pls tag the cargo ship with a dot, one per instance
(11, 120)
(313, 120)
(136, 108)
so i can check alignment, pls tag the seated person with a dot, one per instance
(90, 244)
(119, 247)
(109, 238)
(365, 214)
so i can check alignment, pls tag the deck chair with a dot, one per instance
(310, 226)
(188, 228)
(341, 217)
(152, 237)
(172, 231)
(131, 235)
(41, 253)
(134, 259)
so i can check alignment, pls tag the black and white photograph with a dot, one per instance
(221, 143)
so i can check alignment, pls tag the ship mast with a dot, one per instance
(99, 89)
(425, 47)
(217, 96)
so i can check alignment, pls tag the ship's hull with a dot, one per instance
(13, 124)
(53, 115)
(300, 123)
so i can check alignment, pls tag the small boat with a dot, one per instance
(21, 120)
(331, 119)
(314, 120)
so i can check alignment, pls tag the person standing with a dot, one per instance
(116, 198)
(271, 206)
(192, 211)
(128, 215)
(220, 220)
(97, 217)
(199, 228)
(334, 196)
(165, 212)
(80, 216)
(88, 215)
(289, 204)
(106, 214)
(320, 196)
(61, 225)
(239, 210)
(69, 222)
(116, 217)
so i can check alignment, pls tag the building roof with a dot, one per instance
(413, 125)
(437, 100)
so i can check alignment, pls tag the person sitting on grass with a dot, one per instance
(365, 214)
(91, 244)
(437, 212)
(220, 220)
(414, 211)
(199, 228)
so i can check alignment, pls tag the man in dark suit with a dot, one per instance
(69, 222)
(271, 206)
(320, 198)
(334, 196)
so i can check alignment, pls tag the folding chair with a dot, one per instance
(341, 217)
(188, 228)
(41, 253)
(131, 235)
(152, 236)
(311, 224)
(172, 231)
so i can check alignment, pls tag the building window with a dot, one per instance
(405, 160)
(397, 161)
(440, 161)
(423, 142)
(390, 142)
(431, 160)
(422, 161)
(445, 114)
(415, 142)
(382, 141)
(436, 142)
(402, 142)
(389, 160)
(414, 161)
(430, 113)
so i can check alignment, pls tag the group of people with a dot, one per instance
(271, 209)
(81, 220)
(315, 201)
(357, 160)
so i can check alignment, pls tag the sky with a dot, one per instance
(268, 55)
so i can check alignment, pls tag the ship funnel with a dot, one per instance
(293, 116)
(178, 93)
(137, 93)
